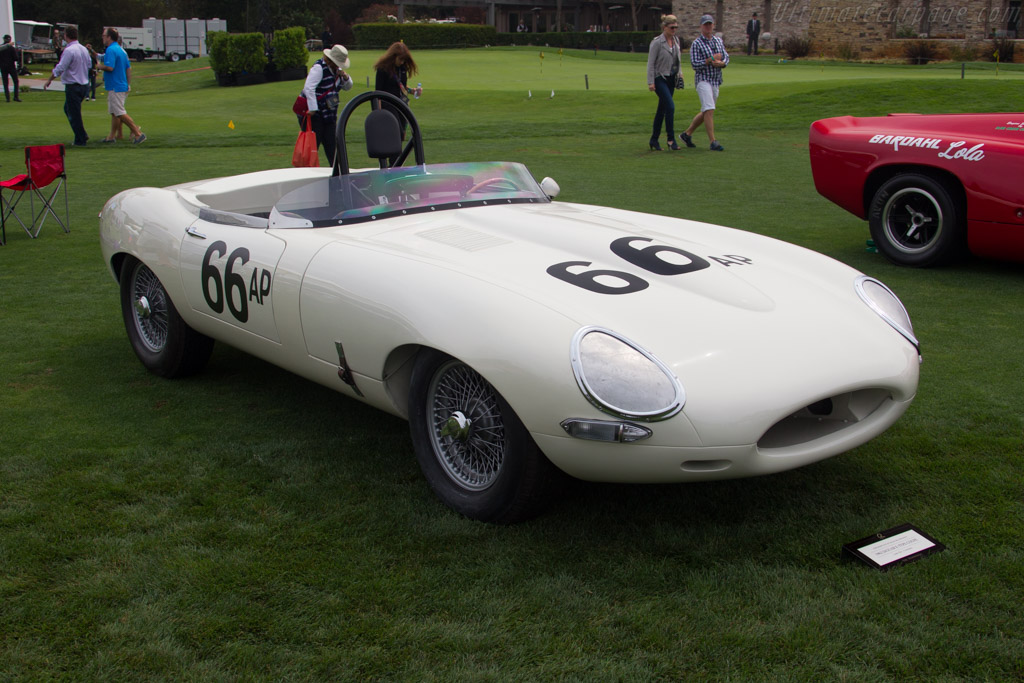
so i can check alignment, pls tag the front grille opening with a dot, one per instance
(824, 417)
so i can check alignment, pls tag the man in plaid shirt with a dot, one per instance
(708, 57)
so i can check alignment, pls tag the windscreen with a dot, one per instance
(385, 193)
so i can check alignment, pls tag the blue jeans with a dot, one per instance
(74, 93)
(666, 108)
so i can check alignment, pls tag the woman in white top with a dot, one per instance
(663, 64)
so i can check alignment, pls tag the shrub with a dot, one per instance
(247, 53)
(1004, 48)
(289, 46)
(235, 53)
(846, 52)
(796, 47)
(966, 52)
(920, 51)
(218, 46)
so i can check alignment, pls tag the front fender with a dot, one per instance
(147, 223)
(374, 302)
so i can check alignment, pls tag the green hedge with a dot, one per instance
(621, 41)
(289, 46)
(420, 36)
(236, 53)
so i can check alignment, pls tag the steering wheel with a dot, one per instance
(492, 181)
(414, 144)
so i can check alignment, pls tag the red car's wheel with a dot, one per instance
(916, 221)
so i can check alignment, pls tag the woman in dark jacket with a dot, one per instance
(393, 71)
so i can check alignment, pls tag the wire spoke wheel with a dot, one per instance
(467, 427)
(473, 449)
(164, 343)
(149, 308)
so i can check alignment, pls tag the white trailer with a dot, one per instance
(34, 39)
(171, 39)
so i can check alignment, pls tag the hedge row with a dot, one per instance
(621, 41)
(420, 36)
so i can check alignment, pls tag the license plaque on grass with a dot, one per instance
(892, 547)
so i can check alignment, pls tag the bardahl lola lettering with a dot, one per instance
(954, 150)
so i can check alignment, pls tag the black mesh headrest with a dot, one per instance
(383, 135)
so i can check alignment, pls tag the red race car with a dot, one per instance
(931, 186)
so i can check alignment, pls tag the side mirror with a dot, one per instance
(550, 187)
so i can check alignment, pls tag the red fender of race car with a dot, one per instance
(932, 187)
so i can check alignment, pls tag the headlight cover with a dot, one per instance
(622, 379)
(887, 305)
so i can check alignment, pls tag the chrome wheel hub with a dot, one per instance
(142, 308)
(913, 220)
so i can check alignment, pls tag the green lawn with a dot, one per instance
(245, 524)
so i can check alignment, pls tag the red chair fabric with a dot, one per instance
(45, 164)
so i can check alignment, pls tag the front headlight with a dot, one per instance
(887, 305)
(622, 379)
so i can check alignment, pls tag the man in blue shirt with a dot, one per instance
(73, 69)
(708, 57)
(117, 79)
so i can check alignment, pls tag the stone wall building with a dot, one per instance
(857, 27)
(848, 29)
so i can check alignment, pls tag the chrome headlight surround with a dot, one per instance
(887, 305)
(621, 378)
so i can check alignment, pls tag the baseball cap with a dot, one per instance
(707, 19)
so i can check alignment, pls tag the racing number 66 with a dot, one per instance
(647, 258)
(216, 291)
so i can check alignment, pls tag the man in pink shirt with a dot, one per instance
(73, 69)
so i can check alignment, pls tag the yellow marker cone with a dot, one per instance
(231, 125)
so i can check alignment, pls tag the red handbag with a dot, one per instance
(305, 153)
(301, 106)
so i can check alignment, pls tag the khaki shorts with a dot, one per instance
(708, 95)
(115, 103)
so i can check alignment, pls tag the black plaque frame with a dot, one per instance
(855, 550)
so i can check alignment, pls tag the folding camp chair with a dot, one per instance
(45, 164)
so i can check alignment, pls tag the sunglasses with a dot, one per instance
(673, 27)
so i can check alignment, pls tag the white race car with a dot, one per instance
(522, 338)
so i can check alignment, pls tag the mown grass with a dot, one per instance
(246, 524)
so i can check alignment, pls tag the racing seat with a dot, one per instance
(45, 164)
(383, 137)
(383, 133)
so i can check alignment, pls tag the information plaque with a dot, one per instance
(892, 547)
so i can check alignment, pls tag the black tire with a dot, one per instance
(164, 343)
(492, 471)
(916, 221)
(174, 57)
